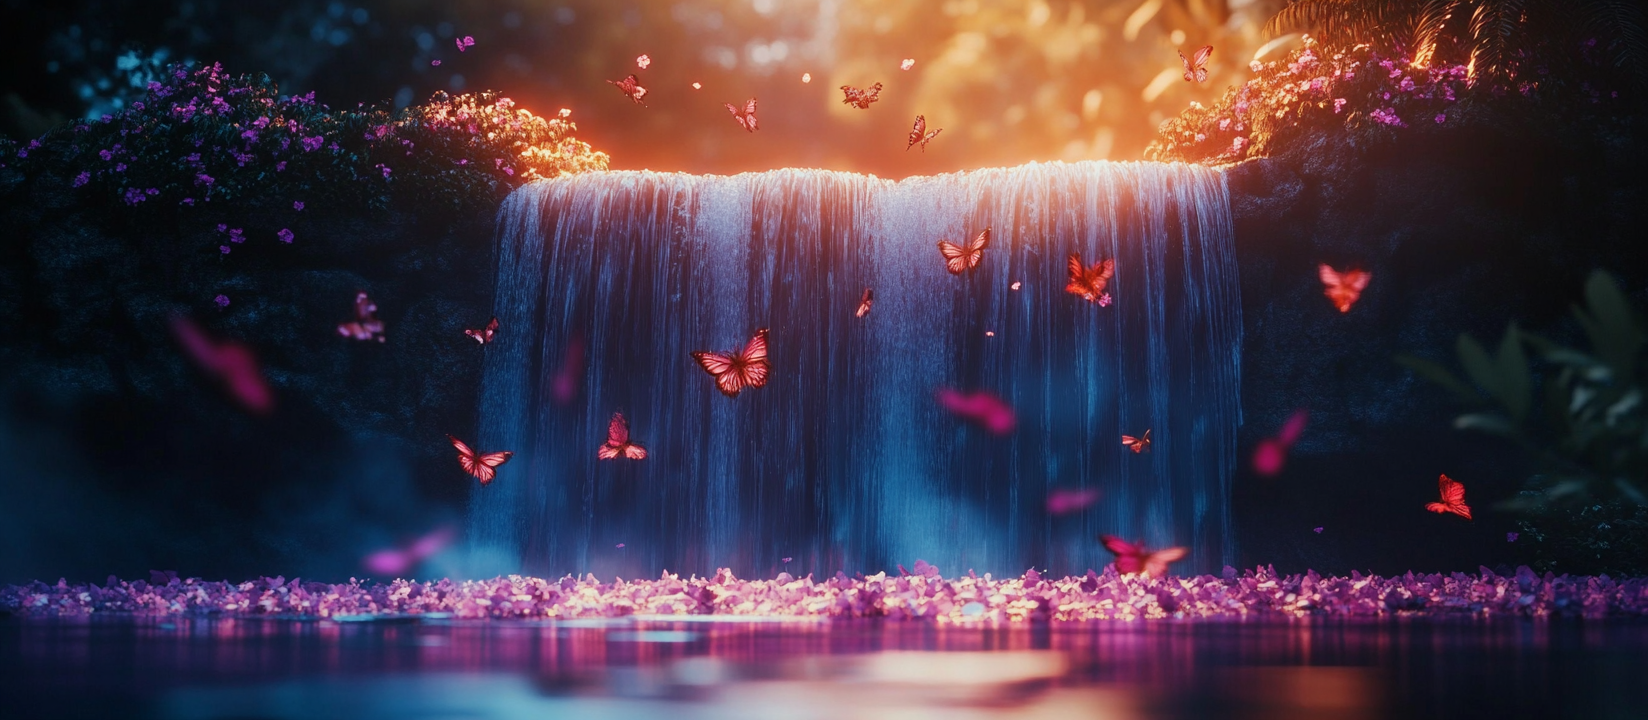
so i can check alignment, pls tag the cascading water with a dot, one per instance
(845, 461)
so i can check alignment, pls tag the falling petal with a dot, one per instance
(696, 86)
(642, 62)
(1017, 285)
(806, 77)
(907, 64)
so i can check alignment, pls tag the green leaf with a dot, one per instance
(1434, 372)
(1486, 422)
(1516, 381)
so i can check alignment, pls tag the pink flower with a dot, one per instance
(1237, 144)
(1440, 118)
(1338, 104)
(385, 170)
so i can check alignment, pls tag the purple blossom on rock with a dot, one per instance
(222, 301)
(285, 235)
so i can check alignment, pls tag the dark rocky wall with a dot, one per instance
(122, 455)
(1464, 231)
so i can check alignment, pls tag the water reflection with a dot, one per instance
(245, 668)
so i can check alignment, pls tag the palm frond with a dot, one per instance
(1493, 29)
(1429, 26)
(1621, 25)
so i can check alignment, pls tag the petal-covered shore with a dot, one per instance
(923, 595)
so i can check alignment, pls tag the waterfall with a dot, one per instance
(845, 460)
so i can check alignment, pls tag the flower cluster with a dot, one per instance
(1356, 89)
(202, 136)
(925, 595)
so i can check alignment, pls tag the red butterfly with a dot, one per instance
(958, 259)
(734, 371)
(229, 361)
(481, 466)
(1089, 283)
(865, 302)
(1271, 453)
(1453, 498)
(919, 134)
(366, 325)
(1343, 288)
(981, 407)
(861, 99)
(1137, 444)
(631, 87)
(483, 336)
(565, 384)
(618, 443)
(746, 118)
(1195, 69)
(1133, 557)
(1060, 502)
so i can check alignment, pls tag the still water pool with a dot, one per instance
(221, 668)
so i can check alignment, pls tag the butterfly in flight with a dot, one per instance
(861, 99)
(1089, 283)
(465, 42)
(733, 371)
(366, 325)
(1137, 444)
(865, 302)
(618, 443)
(232, 363)
(477, 464)
(1062, 501)
(484, 335)
(1343, 288)
(919, 134)
(1133, 557)
(1195, 68)
(1453, 498)
(746, 117)
(632, 87)
(958, 259)
(1271, 454)
(983, 408)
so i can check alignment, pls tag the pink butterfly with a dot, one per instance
(1063, 502)
(481, 465)
(980, 407)
(484, 335)
(733, 370)
(919, 134)
(618, 443)
(366, 325)
(465, 42)
(631, 86)
(1133, 557)
(230, 362)
(745, 117)
(395, 561)
(1271, 454)
(860, 98)
(1195, 68)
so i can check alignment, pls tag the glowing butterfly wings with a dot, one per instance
(865, 302)
(745, 117)
(1137, 444)
(958, 259)
(1343, 288)
(1453, 498)
(631, 86)
(733, 371)
(861, 99)
(618, 443)
(919, 134)
(484, 335)
(366, 325)
(1195, 68)
(1089, 283)
(1134, 558)
(478, 464)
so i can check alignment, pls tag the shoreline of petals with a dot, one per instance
(1254, 594)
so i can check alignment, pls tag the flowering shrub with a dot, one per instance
(1358, 89)
(204, 136)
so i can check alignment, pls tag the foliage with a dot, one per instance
(203, 136)
(1609, 537)
(1492, 38)
(1593, 443)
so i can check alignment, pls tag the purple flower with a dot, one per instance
(222, 228)
(105, 154)
(120, 167)
(235, 236)
(1510, 537)
(285, 236)
(297, 205)
(1386, 116)
(204, 179)
(189, 201)
(222, 301)
(385, 170)
(1338, 104)
(280, 166)
(1318, 531)
(311, 144)
(250, 135)
(1440, 118)
(83, 178)
(261, 123)
(436, 63)
(223, 249)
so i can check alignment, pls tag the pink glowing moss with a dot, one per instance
(924, 595)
